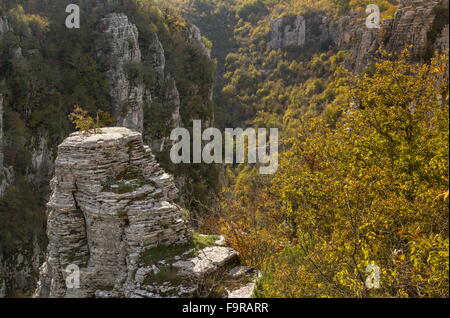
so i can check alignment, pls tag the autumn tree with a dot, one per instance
(370, 192)
(88, 124)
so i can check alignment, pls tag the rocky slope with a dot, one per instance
(4, 26)
(127, 98)
(152, 107)
(5, 175)
(112, 214)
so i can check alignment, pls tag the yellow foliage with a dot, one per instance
(371, 189)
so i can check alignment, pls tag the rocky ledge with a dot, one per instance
(112, 215)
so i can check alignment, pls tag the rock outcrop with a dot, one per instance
(42, 164)
(194, 34)
(4, 26)
(110, 202)
(288, 32)
(131, 97)
(6, 174)
(127, 94)
(420, 24)
(112, 215)
(417, 23)
(411, 25)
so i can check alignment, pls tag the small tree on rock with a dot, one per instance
(88, 124)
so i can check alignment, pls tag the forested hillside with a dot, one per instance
(363, 178)
(362, 187)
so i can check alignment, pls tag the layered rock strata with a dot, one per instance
(421, 24)
(110, 202)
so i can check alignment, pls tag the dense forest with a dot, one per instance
(363, 175)
(47, 69)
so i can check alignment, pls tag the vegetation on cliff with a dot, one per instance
(46, 69)
(363, 179)
(372, 188)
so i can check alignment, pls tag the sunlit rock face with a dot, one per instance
(110, 202)
(127, 97)
(412, 24)
(288, 32)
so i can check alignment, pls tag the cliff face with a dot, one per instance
(417, 23)
(411, 26)
(112, 214)
(6, 174)
(4, 26)
(414, 25)
(110, 202)
(131, 97)
(288, 33)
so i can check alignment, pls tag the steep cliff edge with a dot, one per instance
(112, 214)
(127, 98)
(129, 60)
(6, 174)
(110, 202)
(423, 25)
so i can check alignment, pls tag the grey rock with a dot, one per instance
(105, 294)
(6, 173)
(286, 32)
(102, 231)
(42, 163)
(141, 273)
(243, 292)
(239, 271)
(195, 34)
(127, 96)
(208, 260)
(409, 27)
(4, 26)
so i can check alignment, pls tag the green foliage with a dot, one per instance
(87, 124)
(134, 72)
(251, 10)
(370, 188)
(22, 217)
(125, 182)
(440, 21)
